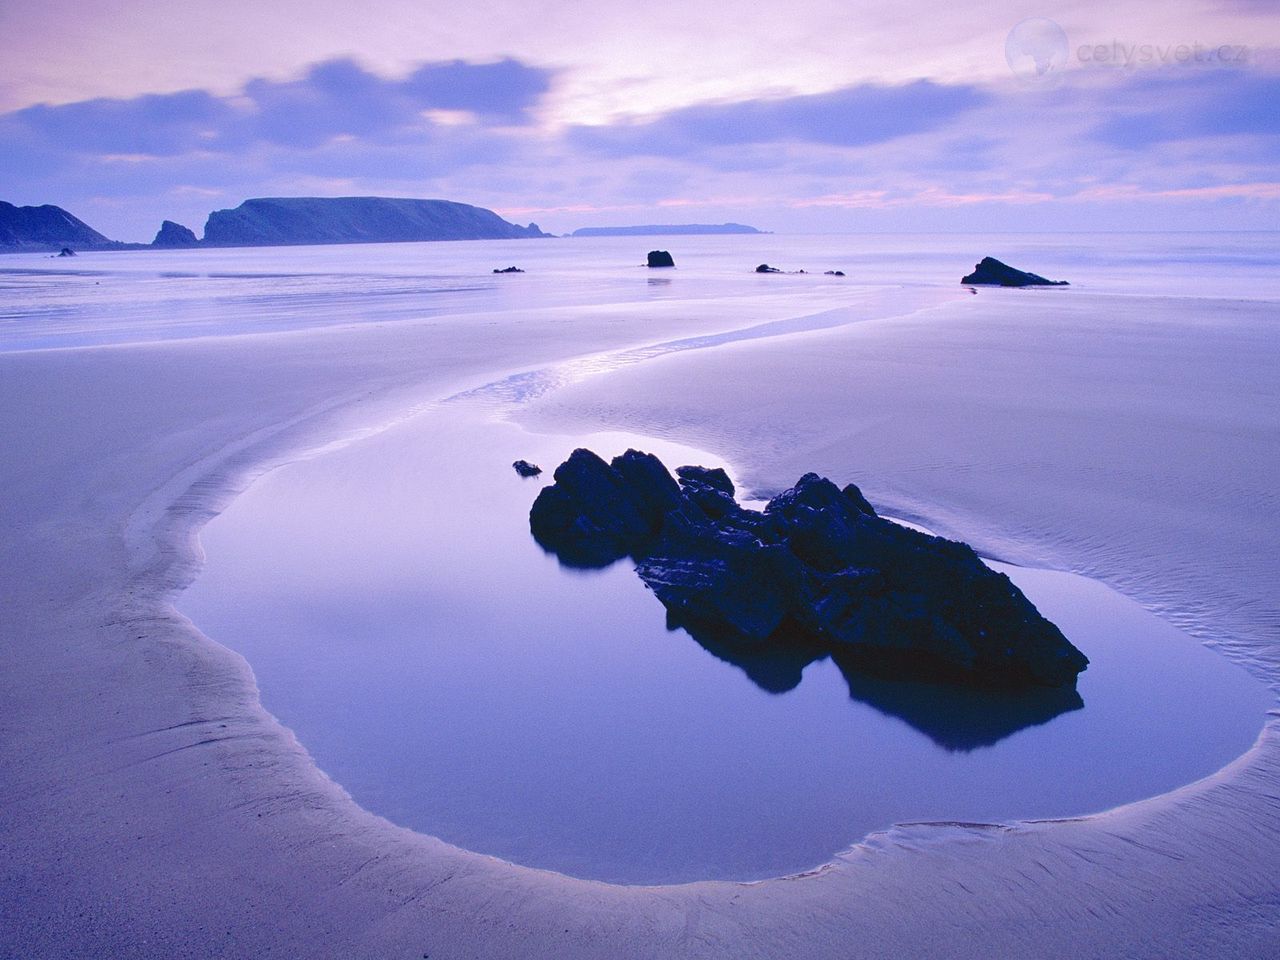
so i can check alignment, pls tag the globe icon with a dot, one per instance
(1036, 50)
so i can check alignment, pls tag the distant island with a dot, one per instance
(664, 229)
(281, 221)
(274, 221)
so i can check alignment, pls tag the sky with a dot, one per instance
(815, 116)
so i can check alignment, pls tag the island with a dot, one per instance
(665, 229)
(290, 221)
(46, 228)
(817, 571)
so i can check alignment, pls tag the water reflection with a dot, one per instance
(958, 719)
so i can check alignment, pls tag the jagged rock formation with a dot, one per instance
(45, 228)
(526, 469)
(989, 270)
(507, 270)
(175, 235)
(282, 221)
(665, 229)
(660, 258)
(817, 570)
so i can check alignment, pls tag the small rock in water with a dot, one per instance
(660, 258)
(765, 268)
(991, 271)
(834, 273)
(508, 270)
(67, 252)
(526, 469)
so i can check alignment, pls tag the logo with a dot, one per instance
(1036, 50)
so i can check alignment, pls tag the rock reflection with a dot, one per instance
(957, 719)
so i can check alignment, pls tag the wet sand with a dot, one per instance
(151, 808)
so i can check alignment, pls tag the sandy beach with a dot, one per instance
(150, 807)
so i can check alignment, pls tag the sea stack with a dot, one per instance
(660, 258)
(991, 271)
(174, 235)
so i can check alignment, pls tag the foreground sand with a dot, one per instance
(150, 808)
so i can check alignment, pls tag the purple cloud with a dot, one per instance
(853, 116)
(337, 98)
(1192, 104)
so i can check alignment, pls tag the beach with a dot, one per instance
(152, 807)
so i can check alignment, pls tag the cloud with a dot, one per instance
(334, 99)
(155, 124)
(852, 116)
(916, 155)
(1189, 104)
(506, 91)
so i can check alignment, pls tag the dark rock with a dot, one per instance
(834, 273)
(66, 252)
(991, 271)
(653, 489)
(765, 268)
(660, 258)
(816, 570)
(527, 469)
(854, 496)
(508, 270)
(590, 516)
(174, 235)
(724, 580)
(714, 477)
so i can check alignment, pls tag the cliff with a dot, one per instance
(45, 228)
(305, 220)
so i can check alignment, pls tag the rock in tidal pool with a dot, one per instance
(816, 570)
(526, 469)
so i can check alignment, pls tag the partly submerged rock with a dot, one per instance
(765, 268)
(175, 235)
(660, 258)
(590, 516)
(991, 271)
(816, 570)
(834, 273)
(526, 469)
(507, 270)
(66, 252)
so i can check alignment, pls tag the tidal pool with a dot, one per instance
(456, 680)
